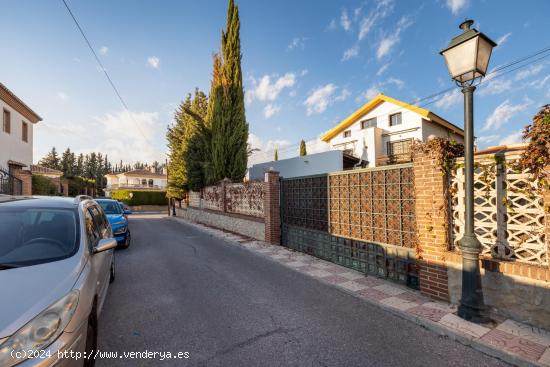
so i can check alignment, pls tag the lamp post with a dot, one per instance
(467, 58)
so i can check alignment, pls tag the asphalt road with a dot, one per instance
(181, 290)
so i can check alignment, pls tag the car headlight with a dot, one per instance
(120, 230)
(40, 332)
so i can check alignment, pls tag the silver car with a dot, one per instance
(56, 262)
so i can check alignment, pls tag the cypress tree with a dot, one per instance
(276, 158)
(303, 150)
(228, 120)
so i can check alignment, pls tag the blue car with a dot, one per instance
(118, 219)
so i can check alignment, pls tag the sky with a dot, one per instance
(307, 65)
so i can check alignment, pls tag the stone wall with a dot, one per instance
(247, 226)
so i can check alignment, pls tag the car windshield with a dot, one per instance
(110, 207)
(31, 236)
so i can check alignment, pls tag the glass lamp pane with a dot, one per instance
(461, 58)
(484, 49)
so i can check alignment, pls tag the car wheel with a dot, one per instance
(112, 277)
(128, 240)
(91, 340)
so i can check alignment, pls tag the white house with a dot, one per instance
(143, 179)
(382, 130)
(16, 131)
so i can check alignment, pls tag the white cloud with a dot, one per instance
(387, 43)
(369, 94)
(382, 69)
(266, 149)
(62, 96)
(104, 50)
(504, 113)
(292, 93)
(530, 71)
(487, 139)
(264, 90)
(118, 131)
(304, 72)
(496, 86)
(297, 42)
(350, 53)
(502, 40)
(514, 138)
(383, 9)
(456, 5)
(332, 25)
(320, 98)
(271, 110)
(397, 82)
(153, 62)
(345, 22)
(540, 82)
(343, 95)
(316, 146)
(449, 100)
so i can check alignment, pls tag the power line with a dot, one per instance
(431, 98)
(103, 69)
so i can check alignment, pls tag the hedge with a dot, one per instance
(43, 186)
(140, 197)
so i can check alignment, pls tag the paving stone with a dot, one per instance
(353, 286)
(322, 265)
(413, 297)
(370, 281)
(336, 270)
(545, 359)
(441, 306)
(522, 347)
(525, 331)
(335, 279)
(434, 314)
(319, 273)
(351, 275)
(389, 290)
(454, 322)
(398, 303)
(372, 294)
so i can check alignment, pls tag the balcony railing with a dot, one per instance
(385, 160)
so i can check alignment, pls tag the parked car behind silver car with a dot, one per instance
(56, 261)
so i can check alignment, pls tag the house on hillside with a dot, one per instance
(142, 179)
(382, 130)
(16, 143)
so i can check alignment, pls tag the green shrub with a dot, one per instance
(139, 197)
(43, 186)
(77, 185)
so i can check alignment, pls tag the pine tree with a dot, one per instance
(276, 158)
(228, 120)
(303, 150)
(80, 165)
(66, 163)
(51, 160)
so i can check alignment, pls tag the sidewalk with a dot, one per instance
(511, 341)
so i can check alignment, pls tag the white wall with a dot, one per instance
(12, 146)
(431, 128)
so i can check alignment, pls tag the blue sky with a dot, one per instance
(307, 65)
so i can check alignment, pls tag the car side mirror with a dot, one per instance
(104, 245)
(127, 211)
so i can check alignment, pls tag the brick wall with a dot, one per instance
(26, 180)
(431, 218)
(272, 207)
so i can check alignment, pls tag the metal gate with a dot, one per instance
(362, 219)
(9, 184)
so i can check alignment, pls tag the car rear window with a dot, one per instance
(33, 236)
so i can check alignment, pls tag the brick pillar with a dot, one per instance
(431, 221)
(65, 186)
(272, 208)
(57, 183)
(26, 180)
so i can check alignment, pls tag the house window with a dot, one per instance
(395, 119)
(144, 182)
(399, 148)
(347, 133)
(7, 121)
(150, 182)
(368, 123)
(25, 132)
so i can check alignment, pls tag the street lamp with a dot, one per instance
(467, 58)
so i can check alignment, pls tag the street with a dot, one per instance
(181, 290)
